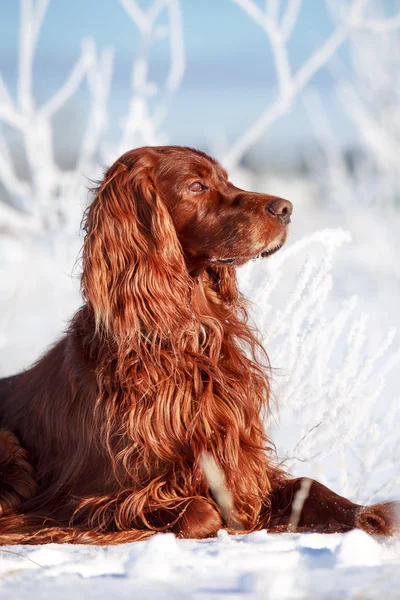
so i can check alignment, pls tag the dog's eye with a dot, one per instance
(197, 187)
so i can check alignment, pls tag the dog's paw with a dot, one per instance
(199, 520)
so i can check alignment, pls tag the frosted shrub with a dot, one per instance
(337, 417)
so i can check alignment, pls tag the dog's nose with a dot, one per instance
(280, 208)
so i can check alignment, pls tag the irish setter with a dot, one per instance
(102, 439)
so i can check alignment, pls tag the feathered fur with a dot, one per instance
(159, 366)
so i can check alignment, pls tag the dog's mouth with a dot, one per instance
(268, 251)
(223, 261)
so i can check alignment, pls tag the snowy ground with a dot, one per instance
(258, 565)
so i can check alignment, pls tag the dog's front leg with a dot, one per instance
(307, 505)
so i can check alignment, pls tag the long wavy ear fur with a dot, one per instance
(134, 274)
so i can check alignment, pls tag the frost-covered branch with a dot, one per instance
(290, 85)
(71, 84)
(149, 101)
(144, 21)
(44, 204)
(99, 82)
(370, 130)
(48, 191)
(289, 18)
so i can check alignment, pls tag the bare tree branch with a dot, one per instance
(289, 86)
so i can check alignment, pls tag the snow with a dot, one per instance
(257, 565)
(335, 370)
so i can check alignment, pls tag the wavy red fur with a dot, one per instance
(159, 366)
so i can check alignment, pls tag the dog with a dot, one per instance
(102, 440)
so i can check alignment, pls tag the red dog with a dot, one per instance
(102, 440)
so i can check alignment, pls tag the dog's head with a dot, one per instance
(216, 221)
(161, 216)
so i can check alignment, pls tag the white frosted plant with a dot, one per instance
(369, 93)
(278, 21)
(149, 101)
(46, 198)
(337, 417)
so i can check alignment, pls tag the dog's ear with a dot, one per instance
(134, 274)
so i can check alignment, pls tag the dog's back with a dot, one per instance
(7, 384)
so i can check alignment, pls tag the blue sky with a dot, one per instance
(229, 75)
